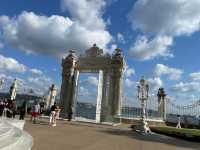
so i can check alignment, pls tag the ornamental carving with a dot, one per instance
(110, 69)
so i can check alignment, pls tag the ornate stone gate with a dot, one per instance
(110, 69)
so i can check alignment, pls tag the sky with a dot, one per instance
(160, 40)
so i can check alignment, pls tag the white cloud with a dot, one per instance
(40, 84)
(39, 80)
(93, 80)
(11, 69)
(195, 76)
(5, 77)
(54, 35)
(83, 91)
(155, 83)
(112, 48)
(129, 83)
(36, 71)
(164, 20)
(11, 65)
(129, 72)
(145, 49)
(186, 87)
(7, 81)
(108, 22)
(120, 38)
(169, 17)
(87, 13)
(172, 73)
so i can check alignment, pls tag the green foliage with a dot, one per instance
(183, 132)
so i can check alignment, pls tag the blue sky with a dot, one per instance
(159, 39)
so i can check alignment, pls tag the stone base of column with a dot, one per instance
(143, 127)
(178, 126)
(63, 115)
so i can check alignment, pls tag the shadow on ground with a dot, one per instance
(153, 138)
(72, 131)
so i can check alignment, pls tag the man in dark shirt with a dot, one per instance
(53, 107)
(1, 107)
(52, 115)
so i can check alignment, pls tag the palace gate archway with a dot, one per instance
(110, 69)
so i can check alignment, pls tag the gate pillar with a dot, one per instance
(115, 89)
(110, 70)
(68, 85)
(161, 103)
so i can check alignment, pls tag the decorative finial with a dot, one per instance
(118, 51)
(142, 80)
(94, 45)
(72, 51)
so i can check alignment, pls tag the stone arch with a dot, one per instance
(110, 68)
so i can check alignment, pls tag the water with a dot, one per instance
(88, 111)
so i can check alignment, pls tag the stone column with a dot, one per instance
(105, 97)
(13, 90)
(115, 85)
(161, 103)
(52, 96)
(74, 93)
(117, 91)
(67, 86)
(99, 97)
(117, 66)
(63, 95)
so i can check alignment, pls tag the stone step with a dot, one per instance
(13, 138)
(6, 133)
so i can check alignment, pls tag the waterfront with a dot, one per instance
(88, 111)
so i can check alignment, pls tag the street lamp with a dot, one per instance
(143, 94)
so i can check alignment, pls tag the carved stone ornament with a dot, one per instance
(94, 51)
(110, 69)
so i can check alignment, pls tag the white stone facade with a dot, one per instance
(12, 136)
(110, 69)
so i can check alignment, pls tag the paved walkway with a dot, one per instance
(74, 136)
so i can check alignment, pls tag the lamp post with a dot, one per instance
(143, 94)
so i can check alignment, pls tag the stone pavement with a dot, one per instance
(79, 136)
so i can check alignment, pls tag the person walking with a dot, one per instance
(9, 109)
(35, 112)
(14, 108)
(5, 105)
(57, 114)
(52, 118)
(22, 111)
(1, 108)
